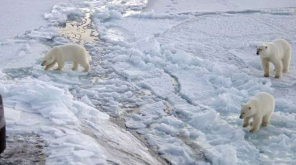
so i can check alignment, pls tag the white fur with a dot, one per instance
(259, 108)
(70, 52)
(277, 52)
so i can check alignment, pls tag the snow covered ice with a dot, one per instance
(166, 83)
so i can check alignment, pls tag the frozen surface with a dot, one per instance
(18, 16)
(74, 131)
(24, 149)
(200, 6)
(175, 72)
(203, 66)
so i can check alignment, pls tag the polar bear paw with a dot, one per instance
(253, 130)
(264, 124)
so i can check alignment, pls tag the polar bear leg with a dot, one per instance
(265, 65)
(60, 65)
(278, 69)
(85, 65)
(256, 124)
(246, 121)
(50, 65)
(266, 120)
(286, 61)
(75, 66)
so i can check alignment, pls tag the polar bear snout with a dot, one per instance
(257, 52)
(241, 116)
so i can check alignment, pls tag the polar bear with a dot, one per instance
(260, 109)
(69, 52)
(277, 52)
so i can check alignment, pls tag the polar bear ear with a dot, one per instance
(249, 108)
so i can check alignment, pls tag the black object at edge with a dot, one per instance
(3, 129)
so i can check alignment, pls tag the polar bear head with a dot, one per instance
(263, 50)
(247, 110)
(49, 58)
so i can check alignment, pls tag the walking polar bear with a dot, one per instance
(277, 52)
(259, 108)
(70, 52)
